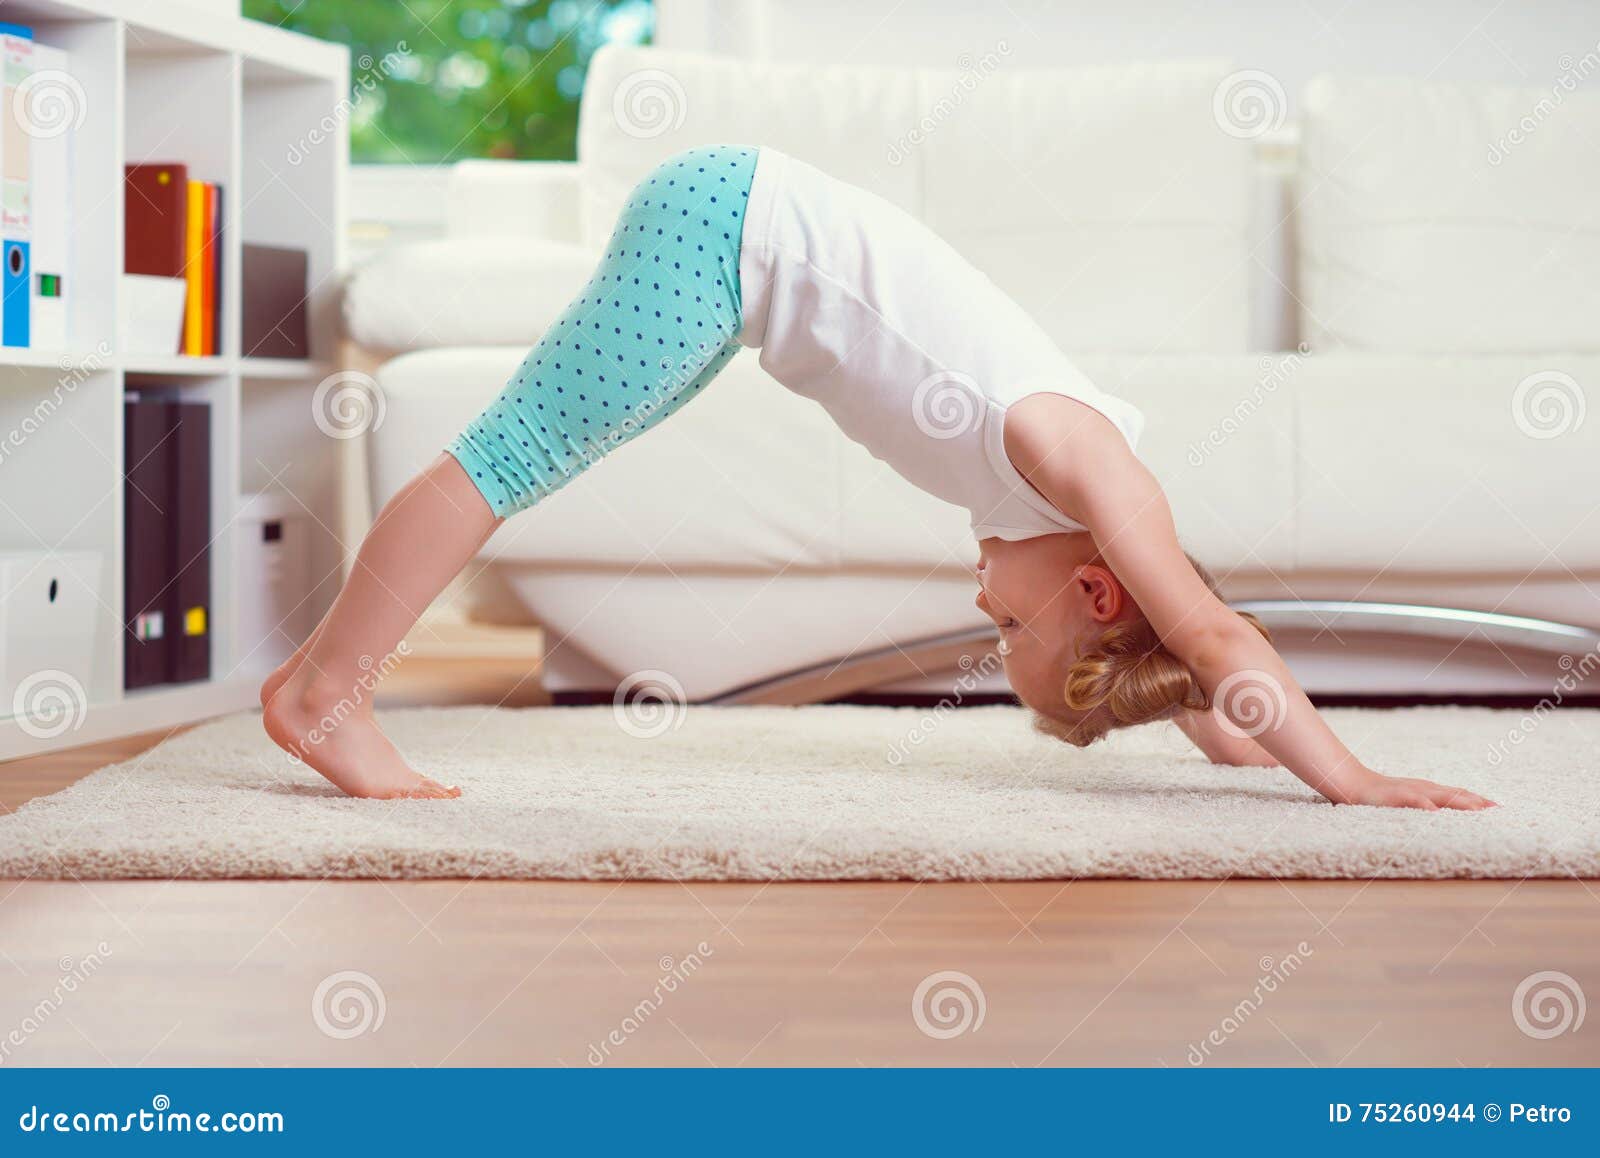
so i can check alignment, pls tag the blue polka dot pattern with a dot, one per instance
(658, 320)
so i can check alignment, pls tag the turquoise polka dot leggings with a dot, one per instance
(659, 320)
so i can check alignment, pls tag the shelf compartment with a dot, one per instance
(293, 146)
(283, 369)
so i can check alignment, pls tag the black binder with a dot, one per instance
(167, 537)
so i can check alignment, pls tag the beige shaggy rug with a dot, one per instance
(821, 793)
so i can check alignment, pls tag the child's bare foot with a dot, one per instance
(274, 682)
(339, 738)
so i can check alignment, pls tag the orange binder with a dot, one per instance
(194, 269)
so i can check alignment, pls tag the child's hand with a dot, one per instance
(1398, 792)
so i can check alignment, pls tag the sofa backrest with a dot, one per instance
(1449, 219)
(1108, 201)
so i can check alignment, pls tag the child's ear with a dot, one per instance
(1107, 598)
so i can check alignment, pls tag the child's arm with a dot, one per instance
(1078, 460)
(1219, 745)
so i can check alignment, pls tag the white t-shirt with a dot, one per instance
(912, 351)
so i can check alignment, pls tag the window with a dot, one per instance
(435, 81)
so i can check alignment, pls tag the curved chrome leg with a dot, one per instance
(864, 670)
(1419, 619)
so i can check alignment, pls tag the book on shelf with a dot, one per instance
(273, 296)
(173, 225)
(166, 536)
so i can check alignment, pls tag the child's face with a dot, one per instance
(1044, 594)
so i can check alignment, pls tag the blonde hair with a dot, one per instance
(1126, 677)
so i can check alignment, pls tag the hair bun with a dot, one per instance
(1130, 677)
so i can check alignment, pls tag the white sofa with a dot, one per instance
(1424, 446)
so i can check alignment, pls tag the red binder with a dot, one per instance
(155, 213)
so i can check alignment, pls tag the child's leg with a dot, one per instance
(656, 323)
(322, 711)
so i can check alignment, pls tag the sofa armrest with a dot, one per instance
(463, 291)
(535, 199)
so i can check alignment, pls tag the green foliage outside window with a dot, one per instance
(434, 81)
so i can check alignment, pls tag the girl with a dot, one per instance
(1104, 622)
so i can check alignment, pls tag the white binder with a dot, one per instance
(51, 178)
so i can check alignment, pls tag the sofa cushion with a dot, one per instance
(1441, 218)
(1105, 200)
(1447, 465)
(463, 291)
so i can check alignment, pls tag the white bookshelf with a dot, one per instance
(235, 100)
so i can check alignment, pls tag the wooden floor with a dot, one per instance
(501, 973)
